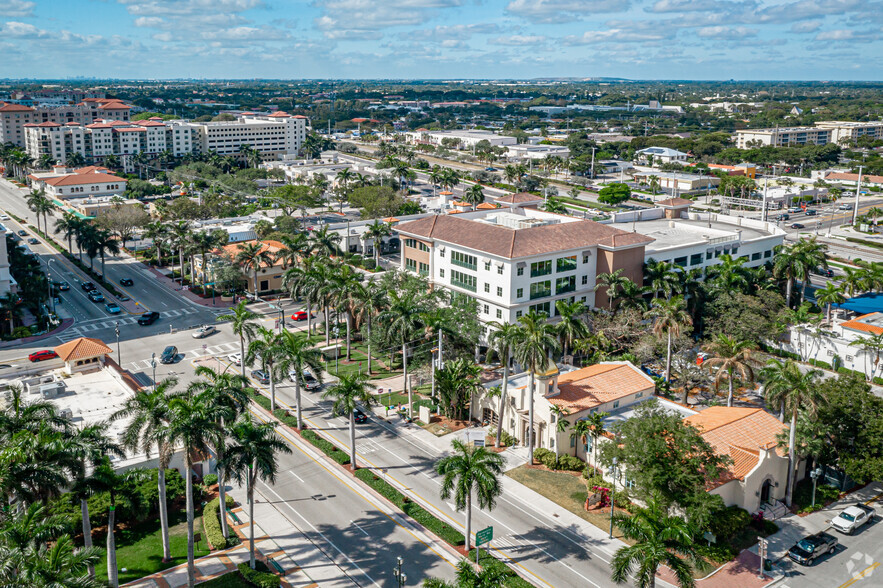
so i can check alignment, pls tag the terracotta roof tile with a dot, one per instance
(486, 206)
(269, 245)
(871, 179)
(82, 348)
(598, 384)
(675, 202)
(80, 179)
(90, 169)
(856, 325)
(10, 107)
(520, 198)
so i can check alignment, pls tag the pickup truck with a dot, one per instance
(853, 517)
(809, 549)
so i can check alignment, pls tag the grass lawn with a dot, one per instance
(139, 548)
(563, 489)
(229, 580)
(358, 356)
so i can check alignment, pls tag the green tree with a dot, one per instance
(376, 231)
(571, 325)
(669, 317)
(474, 195)
(614, 194)
(456, 383)
(501, 340)
(297, 355)
(872, 345)
(829, 295)
(253, 256)
(349, 391)
(730, 356)
(266, 351)
(401, 320)
(245, 326)
(470, 470)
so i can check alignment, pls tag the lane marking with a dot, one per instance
(296, 476)
(860, 575)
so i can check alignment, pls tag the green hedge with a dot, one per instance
(327, 447)
(820, 364)
(212, 523)
(258, 579)
(560, 462)
(510, 578)
(412, 509)
(865, 242)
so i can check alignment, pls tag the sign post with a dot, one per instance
(482, 537)
(761, 551)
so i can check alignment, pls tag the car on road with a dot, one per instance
(127, 282)
(490, 169)
(62, 286)
(260, 376)
(33, 241)
(204, 331)
(783, 217)
(845, 207)
(809, 549)
(235, 358)
(113, 308)
(797, 226)
(308, 381)
(42, 355)
(811, 212)
(23, 233)
(87, 286)
(795, 210)
(359, 416)
(4, 217)
(96, 296)
(148, 318)
(853, 517)
(300, 315)
(169, 354)
(828, 273)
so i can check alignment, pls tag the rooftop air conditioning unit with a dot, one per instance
(53, 389)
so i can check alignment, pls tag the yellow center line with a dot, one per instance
(861, 575)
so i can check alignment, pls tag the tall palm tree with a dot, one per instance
(202, 241)
(535, 340)
(470, 470)
(179, 234)
(729, 274)
(581, 431)
(227, 389)
(474, 195)
(812, 255)
(660, 276)
(595, 422)
(372, 300)
(68, 225)
(251, 257)
(148, 414)
(252, 456)
(376, 231)
(401, 319)
(158, 233)
(324, 242)
(193, 424)
(349, 391)
(788, 265)
(296, 355)
(243, 320)
(344, 176)
(656, 539)
(52, 564)
(303, 282)
(103, 242)
(795, 390)
(872, 344)
(501, 340)
(468, 576)
(344, 289)
(265, 350)
(561, 423)
(730, 355)
(669, 317)
(829, 295)
(570, 326)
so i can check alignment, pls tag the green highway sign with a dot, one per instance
(484, 536)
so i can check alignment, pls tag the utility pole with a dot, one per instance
(858, 189)
(765, 184)
(593, 164)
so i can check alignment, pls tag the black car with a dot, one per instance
(811, 212)
(23, 233)
(828, 273)
(809, 549)
(359, 416)
(148, 318)
(126, 282)
(169, 354)
(260, 376)
(63, 286)
(34, 241)
(796, 226)
(783, 216)
(87, 286)
(96, 296)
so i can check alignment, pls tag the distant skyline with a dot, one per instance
(430, 39)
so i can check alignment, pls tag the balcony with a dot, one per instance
(469, 266)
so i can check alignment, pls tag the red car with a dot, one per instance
(42, 355)
(300, 315)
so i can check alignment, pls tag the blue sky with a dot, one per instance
(641, 39)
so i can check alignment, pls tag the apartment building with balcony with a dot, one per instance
(822, 133)
(14, 117)
(272, 135)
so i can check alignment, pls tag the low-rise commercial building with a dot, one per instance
(682, 182)
(461, 139)
(65, 183)
(536, 152)
(660, 155)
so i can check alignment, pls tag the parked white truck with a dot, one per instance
(853, 517)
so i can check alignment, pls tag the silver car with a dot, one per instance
(204, 331)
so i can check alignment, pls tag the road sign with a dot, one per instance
(484, 536)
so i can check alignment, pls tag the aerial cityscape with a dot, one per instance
(441, 293)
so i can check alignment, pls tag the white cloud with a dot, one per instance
(848, 35)
(264, 33)
(519, 40)
(188, 8)
(726, 32)
(559, 11)
(700, 6)
(149, 21)
(21, 30)
(806, 9)
(16, 8)
(362, 19)
(807, 26)
(460, 31)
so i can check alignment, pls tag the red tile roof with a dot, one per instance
(592, 386)
(10, 107)
(82, 179)
(82, 348)
(90, 169)
(115, 105)
(675, 202)
(856, 325)
(520, 198)
(871, 179)
(48, 125)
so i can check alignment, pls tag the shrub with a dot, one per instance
(510, 578)
(717, 552)
(212, 523)
(257, 578)
(728, 522)
(570, 463)
(210, 479)
(821, 364)
(847, 371)
(327, 447)
(369, 264)
(545, 457)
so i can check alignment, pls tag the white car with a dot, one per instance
(853, 517)
(235, 358)
(4, 217)
(204, 331)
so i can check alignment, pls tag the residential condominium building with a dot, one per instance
(14, 117)
(272, 135)
(822, 133)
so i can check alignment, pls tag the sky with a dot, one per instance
(450, 39)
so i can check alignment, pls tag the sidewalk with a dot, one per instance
(170, 284)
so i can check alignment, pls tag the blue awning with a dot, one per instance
(864, 304)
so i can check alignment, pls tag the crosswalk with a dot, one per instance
(85, 328)
(206, 351)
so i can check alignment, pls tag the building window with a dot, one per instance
(543, 307)
(518, 314)
(585, 259)
(423, 269)
(755, 256)
(566, 264)
(486, 309)
(767, 254)
(540, 268)
(441, 252)
(708, 255)
(735, 250)
(487, 266)
(487, 287)
(462, 280)
(464, 260)
(500, 269)
(616, 404)
(519, 293)
(585, 280)
(696, 259)
(441, 272)
(499, 290)
(681, 261)
(410, 265)
(499, 313)
(540, 289)
(520, 271)
(564, 285)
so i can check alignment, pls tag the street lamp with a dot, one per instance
(815, 475)
(397, 572)
(49, 285)
(612, 493)
(116, 329)
(153, 365)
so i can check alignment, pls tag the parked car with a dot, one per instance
(796, 226)
(34, 241)
(87, 286)
(359, 416)
(235, 358)
(828, 273)
(204, 331)
(23, 233)
(127, 282)
(4, 217)
(260, 376)
(95, 296)
(63, 286)
(169, 354)
(148, 318)
(809, 549)
(113, 308)
(300, 315)
(811, 212)
(853, 517)
(42, 355)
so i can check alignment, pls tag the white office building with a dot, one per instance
(462, 139)
(272, 135)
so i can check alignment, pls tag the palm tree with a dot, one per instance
(561, 423)
(616, 284)
(347, 393)
(252, 456)
(401, 319)
(467, 576)
(103, 242)
(595, 423)
(344, 176)
(372, 300)
(193, 424)
(501, 340)
(474, 195)
(812, 256)
(52, 564)
(871, 344)
(661, 276)
(788, 265)
(203, 241)
(730, 356)
(252, 256)
(41, 205)
(795, 390)
(829, 295)
(534, 341)
(669, 317)
(376, 231)
(244, 326)
(470, 470)
(148, 414)
(265, 350)
(729, 274)
(580, 432)
(570, 326)
(69, 225)
(303, 282)
(344, 290)
(296, 355)
(158, 233)
(179, 234)
(657, 539)
(324, 242)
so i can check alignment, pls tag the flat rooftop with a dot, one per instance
(679, 233)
